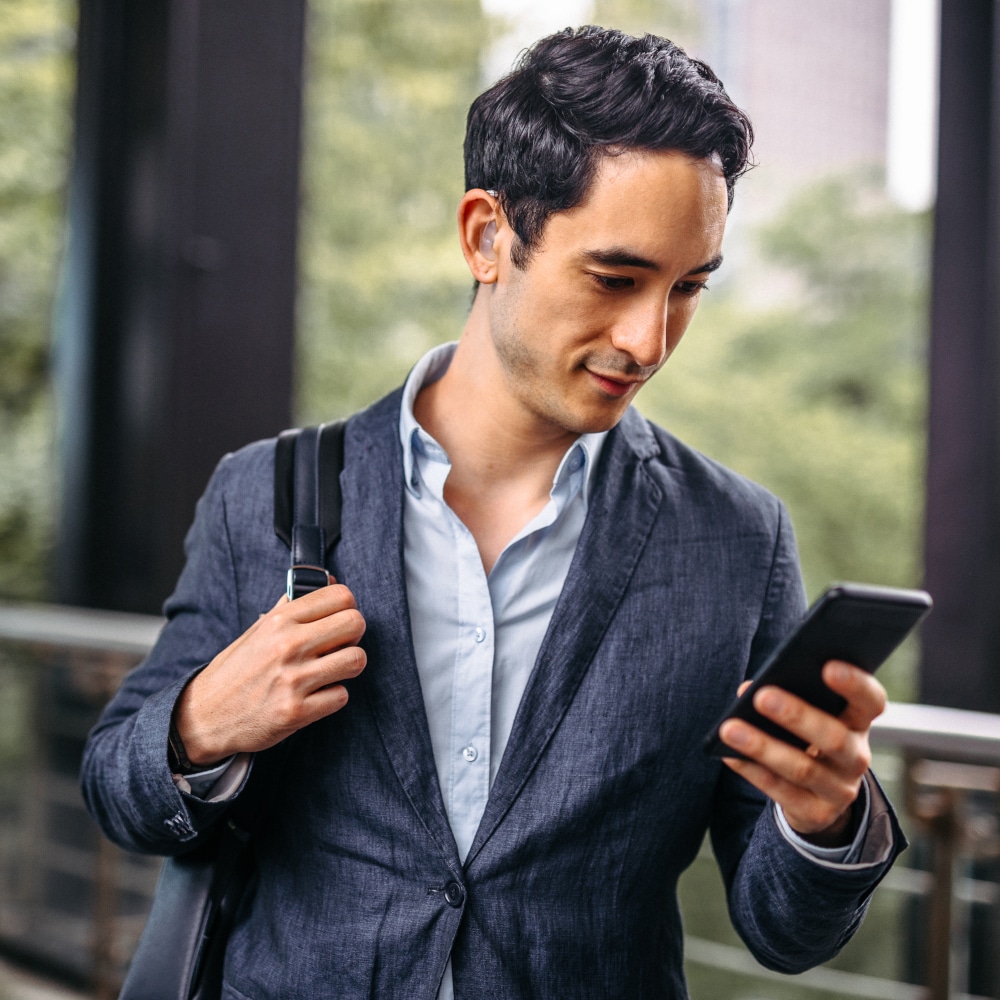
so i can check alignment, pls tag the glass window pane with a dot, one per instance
(36, 85)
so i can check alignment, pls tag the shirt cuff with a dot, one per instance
(216, 784)
(832, 857)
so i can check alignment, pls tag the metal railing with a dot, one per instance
(952, 791)
(73, 902)
(70, 901)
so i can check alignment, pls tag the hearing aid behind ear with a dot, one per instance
(486, 240)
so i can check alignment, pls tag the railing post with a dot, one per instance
(937, 795)
(106, 974)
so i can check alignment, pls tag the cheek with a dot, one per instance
(679, 319)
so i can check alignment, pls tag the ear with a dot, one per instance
(486, 240)
(481, 232)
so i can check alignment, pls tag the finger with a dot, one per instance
(342, 628)
(789, 767)
(772, 785)
(833, 759)
(325, 702)
(865, 696)
(743, 688)
(806, 721)
(807, 812)
(332, 669)
(830, 736)
(781, 760)
(320, 603)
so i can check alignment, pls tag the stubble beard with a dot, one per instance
(520, 368)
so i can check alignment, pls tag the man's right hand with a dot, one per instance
(282, 674)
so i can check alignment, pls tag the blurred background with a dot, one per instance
(219, 220)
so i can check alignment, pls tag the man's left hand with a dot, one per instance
(815, 787)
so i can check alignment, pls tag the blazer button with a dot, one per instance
(454, 894)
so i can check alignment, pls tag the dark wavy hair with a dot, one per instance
(537, 136)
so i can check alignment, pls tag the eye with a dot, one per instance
(612, 282)
(691, 287)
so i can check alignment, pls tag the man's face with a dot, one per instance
(608, 291)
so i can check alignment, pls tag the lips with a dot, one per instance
(614, 386)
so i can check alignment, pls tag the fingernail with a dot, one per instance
(770, 701)
(735, 735)
(839, 672)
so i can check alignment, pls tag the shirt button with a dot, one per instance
(480, 634)
(454, 894)
(470, 753)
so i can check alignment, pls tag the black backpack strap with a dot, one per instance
(331, 464)
(307, 500)
(182, 950)
(284, 485)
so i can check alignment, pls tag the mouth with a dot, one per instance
(616, 387)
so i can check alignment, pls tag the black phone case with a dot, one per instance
(854, 622)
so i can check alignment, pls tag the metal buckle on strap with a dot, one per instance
(305, 579)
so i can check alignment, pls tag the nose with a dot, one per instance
(642, 334)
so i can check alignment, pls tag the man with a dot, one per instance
(494, 775)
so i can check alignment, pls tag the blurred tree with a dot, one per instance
(389, 83)
(678, 20)
(36, 82)
(823, 403)
(821, 399)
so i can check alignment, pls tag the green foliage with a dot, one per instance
(821, 399)
(382, 277)
(36, 42)
(673, 19)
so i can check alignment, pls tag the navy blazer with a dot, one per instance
(685, 577)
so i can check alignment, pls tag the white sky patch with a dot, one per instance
(911, 157)
(529, 21)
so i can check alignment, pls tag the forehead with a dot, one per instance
(663, 204)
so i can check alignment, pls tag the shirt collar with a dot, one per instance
(576, 470)
(412, 436)
(578, 465)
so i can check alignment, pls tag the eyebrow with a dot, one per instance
(621, 257)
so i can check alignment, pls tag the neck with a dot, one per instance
(471, 412)
(503, 459)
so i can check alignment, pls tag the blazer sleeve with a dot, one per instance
(125, 778)
(791, 910)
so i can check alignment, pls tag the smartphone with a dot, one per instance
(853, 622)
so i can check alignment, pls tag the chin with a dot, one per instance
(596, 423)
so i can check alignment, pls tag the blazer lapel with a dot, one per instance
(623, 507)
(370, 560)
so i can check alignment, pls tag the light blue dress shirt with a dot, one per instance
(475, 636)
